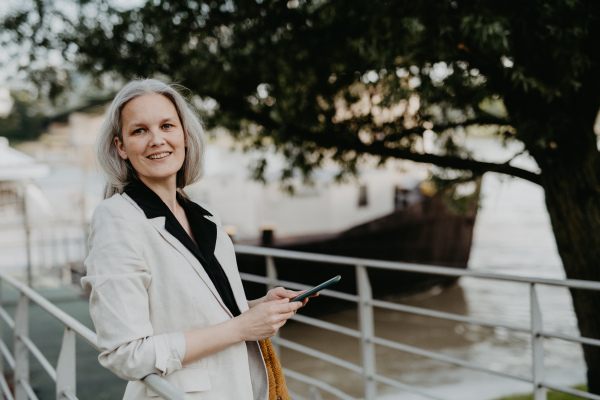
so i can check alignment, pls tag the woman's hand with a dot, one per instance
(264, 319)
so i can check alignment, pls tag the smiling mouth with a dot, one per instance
(158, 156)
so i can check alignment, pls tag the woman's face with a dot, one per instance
(153, 138)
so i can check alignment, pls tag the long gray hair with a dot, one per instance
(118, 172)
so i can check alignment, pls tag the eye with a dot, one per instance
(139, 130)
(167, 126)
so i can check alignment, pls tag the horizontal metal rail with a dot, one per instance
(84, 332)
(570, 338)
(447, 359)
(168, 391)
(317, 383)
(69, 395)
(572, 391)
(299, 286)
(327, 325)
(6, 353)
(38, 243)
(317, 354)
(30, 393)
(7, 318)
(409, 267)
(444, 315)
(39, 356)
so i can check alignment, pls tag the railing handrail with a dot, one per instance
(68, 321)
(153, 381)
(413, 267)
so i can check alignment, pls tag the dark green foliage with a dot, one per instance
(342, 79)
(24, 121)
(281, 72)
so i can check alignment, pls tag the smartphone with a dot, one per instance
(316, 289)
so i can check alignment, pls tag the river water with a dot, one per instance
(512, 235)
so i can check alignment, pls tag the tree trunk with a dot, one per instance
(571, 180)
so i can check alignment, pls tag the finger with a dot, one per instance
(279, 306)
(287, 315)
(288, 307)
(285, 293)
(280, 319)
(288, 310)
(281, 291)
(295, 305)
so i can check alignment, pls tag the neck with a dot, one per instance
(166, 190)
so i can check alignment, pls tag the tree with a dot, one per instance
(317, 78)
(24, 121)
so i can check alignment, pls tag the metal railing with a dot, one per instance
(368, 340)
(64, 373)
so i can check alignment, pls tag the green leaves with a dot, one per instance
(334, 78)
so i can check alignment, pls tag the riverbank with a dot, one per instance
(551, 395)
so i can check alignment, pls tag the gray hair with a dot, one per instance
(118, 172)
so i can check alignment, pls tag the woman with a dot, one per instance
(166, 295)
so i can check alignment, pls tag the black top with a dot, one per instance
(204, 231)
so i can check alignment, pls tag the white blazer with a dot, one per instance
(147, 289)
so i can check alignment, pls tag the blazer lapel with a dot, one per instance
(159, 224)
(225, 254)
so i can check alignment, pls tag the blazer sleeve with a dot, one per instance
(118, 278)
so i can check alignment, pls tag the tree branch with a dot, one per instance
(483, 120)
(331, 141)
(477, 167)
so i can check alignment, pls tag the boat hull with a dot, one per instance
(426, 232)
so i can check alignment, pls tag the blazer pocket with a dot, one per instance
(189, 379)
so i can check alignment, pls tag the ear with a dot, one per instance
(120, 148)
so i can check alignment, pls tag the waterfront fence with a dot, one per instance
(64, 373)
(366, 303)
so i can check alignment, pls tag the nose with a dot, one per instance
(156, 138)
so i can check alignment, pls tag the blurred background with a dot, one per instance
(462, 135)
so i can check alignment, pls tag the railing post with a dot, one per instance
(365, 318)
(28, 238)
(537, 346)
(271, 273)
(65, 369)
(1, 329)
(314, 393)
(21, 352)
